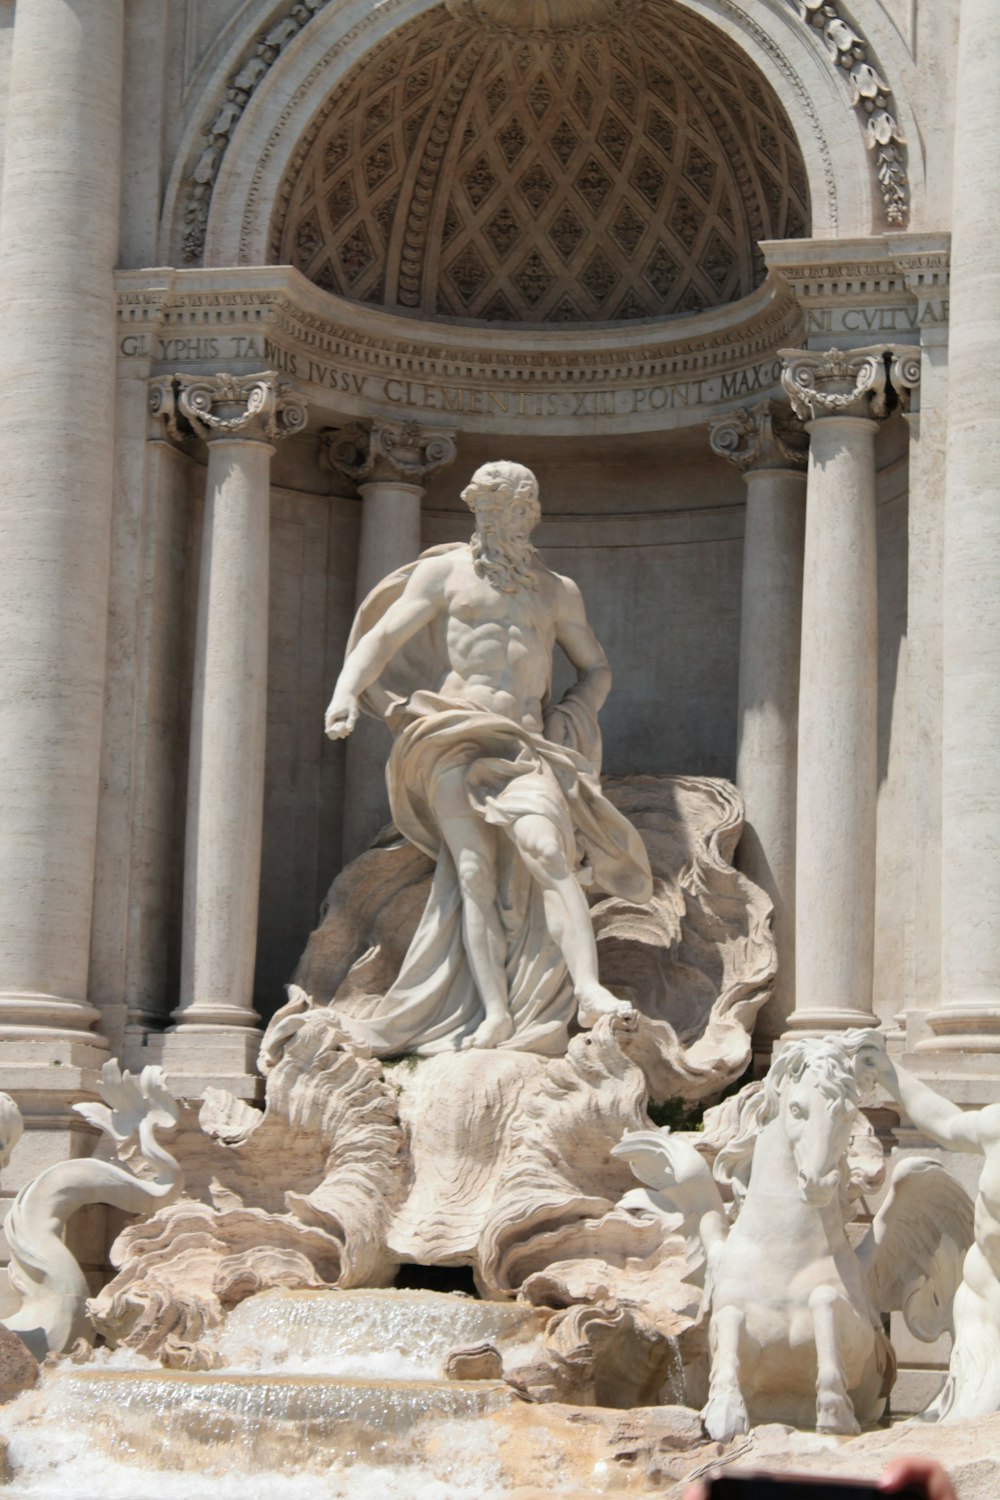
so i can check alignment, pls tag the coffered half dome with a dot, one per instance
(475, 171)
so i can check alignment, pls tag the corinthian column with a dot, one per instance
(969, 1016)
(239, 418)
(768, 445)
(390, 464)
(841, 397)
(58, 242)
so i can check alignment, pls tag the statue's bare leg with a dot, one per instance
(472, 845)
(567, 917)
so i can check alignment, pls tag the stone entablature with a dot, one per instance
(861, 289)
(652, 376)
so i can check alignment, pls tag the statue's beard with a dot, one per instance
(507, 564)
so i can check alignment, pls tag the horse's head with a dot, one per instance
(813, 1093)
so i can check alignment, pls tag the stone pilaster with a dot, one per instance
(968, 1017)
(768, 445)
(390, 463)
(840, 396)
(58, 243)
(239, 418)
(928, 422)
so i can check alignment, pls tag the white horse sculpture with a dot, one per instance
(795, 1331)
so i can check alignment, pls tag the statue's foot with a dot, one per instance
(725, 1416)
(490, 1033)
(594, 1001)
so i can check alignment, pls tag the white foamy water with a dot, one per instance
(394, 1335)
(324, 1396)
(52, 1461)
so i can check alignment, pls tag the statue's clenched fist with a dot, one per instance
(341, 716)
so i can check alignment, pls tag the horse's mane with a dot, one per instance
(830, 1059)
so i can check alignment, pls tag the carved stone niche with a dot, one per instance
(544, 162)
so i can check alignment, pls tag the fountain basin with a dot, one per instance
(386, 1333)
(250, 1424)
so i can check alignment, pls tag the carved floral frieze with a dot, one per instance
(870, 95)
(218, 131)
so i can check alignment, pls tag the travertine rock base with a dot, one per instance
(18, 1369)
(969, 1452)
(495, 1159)
(498, 1161)
(697, 961)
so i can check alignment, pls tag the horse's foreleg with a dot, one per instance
(725, 1412)
(834, 1412)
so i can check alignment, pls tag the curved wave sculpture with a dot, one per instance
(43, 1270)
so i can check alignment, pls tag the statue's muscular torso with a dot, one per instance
(498, 645)
(495, 646)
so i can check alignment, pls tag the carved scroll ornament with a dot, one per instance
(764, 436)
(259, 407)
(403, 451)
(848, 382)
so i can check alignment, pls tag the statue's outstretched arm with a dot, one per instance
(946, 1123)
(419, 602)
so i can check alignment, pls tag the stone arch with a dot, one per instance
(264, 131)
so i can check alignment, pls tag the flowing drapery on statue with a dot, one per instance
(500, 788)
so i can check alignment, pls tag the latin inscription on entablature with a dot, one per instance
(483, 404)
(875, 320)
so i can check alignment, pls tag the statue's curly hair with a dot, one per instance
(503, 482)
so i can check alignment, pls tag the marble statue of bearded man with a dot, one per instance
(499, 786)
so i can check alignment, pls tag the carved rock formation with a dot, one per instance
(296, 1196)
(606, 1355)
(18, 1368)
(496, 1159)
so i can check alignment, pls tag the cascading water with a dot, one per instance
(399, 1335)
(320, 1394)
